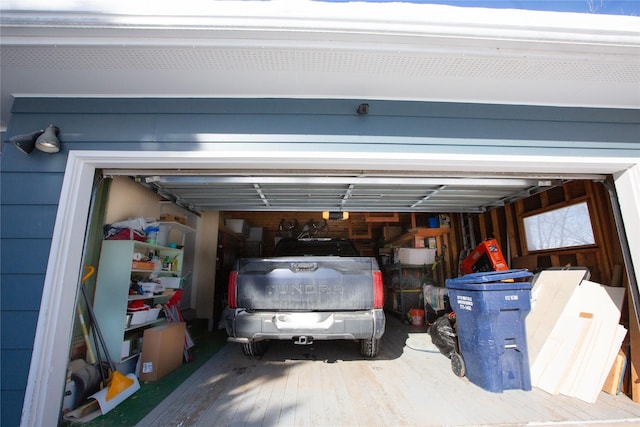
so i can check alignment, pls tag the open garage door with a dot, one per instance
(351, 191)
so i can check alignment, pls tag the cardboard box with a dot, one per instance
(162, 350)
(142, 265)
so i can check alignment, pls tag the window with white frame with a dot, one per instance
(564, 227)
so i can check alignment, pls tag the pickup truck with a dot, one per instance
(311, 289)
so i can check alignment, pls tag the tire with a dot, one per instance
(370, 347)
(254, 348)
(457, 364)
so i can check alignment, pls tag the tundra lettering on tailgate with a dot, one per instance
(303, 289)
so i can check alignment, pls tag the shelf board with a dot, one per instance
(419, 232)
(131, 356)
(143, 297)
(177, 226)
(381, 217)
(143, 325)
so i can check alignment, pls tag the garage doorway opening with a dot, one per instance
(53, 335)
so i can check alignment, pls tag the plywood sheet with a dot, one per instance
(580, 347)
(557, 355)
(590, 370)
(603, 302)
(551, 292)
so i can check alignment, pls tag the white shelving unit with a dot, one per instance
(169, 229)
(115, 274)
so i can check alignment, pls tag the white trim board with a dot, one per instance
(45, 385)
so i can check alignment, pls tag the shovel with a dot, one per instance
(118, 386)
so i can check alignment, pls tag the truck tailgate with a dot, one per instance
(310, 284)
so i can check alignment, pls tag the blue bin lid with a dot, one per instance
(490, 280)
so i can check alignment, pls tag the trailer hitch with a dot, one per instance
(303, 340)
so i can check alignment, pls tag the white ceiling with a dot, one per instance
(304, 49)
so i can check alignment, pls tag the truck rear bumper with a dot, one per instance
(244, 326)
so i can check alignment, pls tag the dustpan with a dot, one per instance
(108, 404)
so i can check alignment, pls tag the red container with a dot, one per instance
(487, 256)
(417, 317)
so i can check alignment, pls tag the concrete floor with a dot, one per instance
(330, 384)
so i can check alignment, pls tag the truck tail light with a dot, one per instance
(378, 290)
(231, 289)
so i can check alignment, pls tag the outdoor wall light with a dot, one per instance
(48, 141)
(26, 142)
(363, 109)
(44, 140)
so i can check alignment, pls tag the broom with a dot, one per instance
(116, 383)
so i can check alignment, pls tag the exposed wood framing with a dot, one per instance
(381, 217)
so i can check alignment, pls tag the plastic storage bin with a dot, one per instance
(416, 256)
(490, 315)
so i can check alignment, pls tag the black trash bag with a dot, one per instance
(443, 335)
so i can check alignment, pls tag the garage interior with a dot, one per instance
(386, 210)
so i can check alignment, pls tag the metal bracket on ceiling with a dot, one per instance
(261, 195)
(428, 196)
(347, 195)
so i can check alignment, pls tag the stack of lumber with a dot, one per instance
(573, 333)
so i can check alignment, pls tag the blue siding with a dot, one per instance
(21, 224)
(29, 294)
(24, 256)
(11, 406)
(15, 338)
(44, 190)
(31, 184)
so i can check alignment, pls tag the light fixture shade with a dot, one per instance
(48, 141)
(26, 142)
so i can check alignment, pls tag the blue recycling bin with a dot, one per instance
(490, 316)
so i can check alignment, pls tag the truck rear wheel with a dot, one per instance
(254, 348)
(370, 347)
